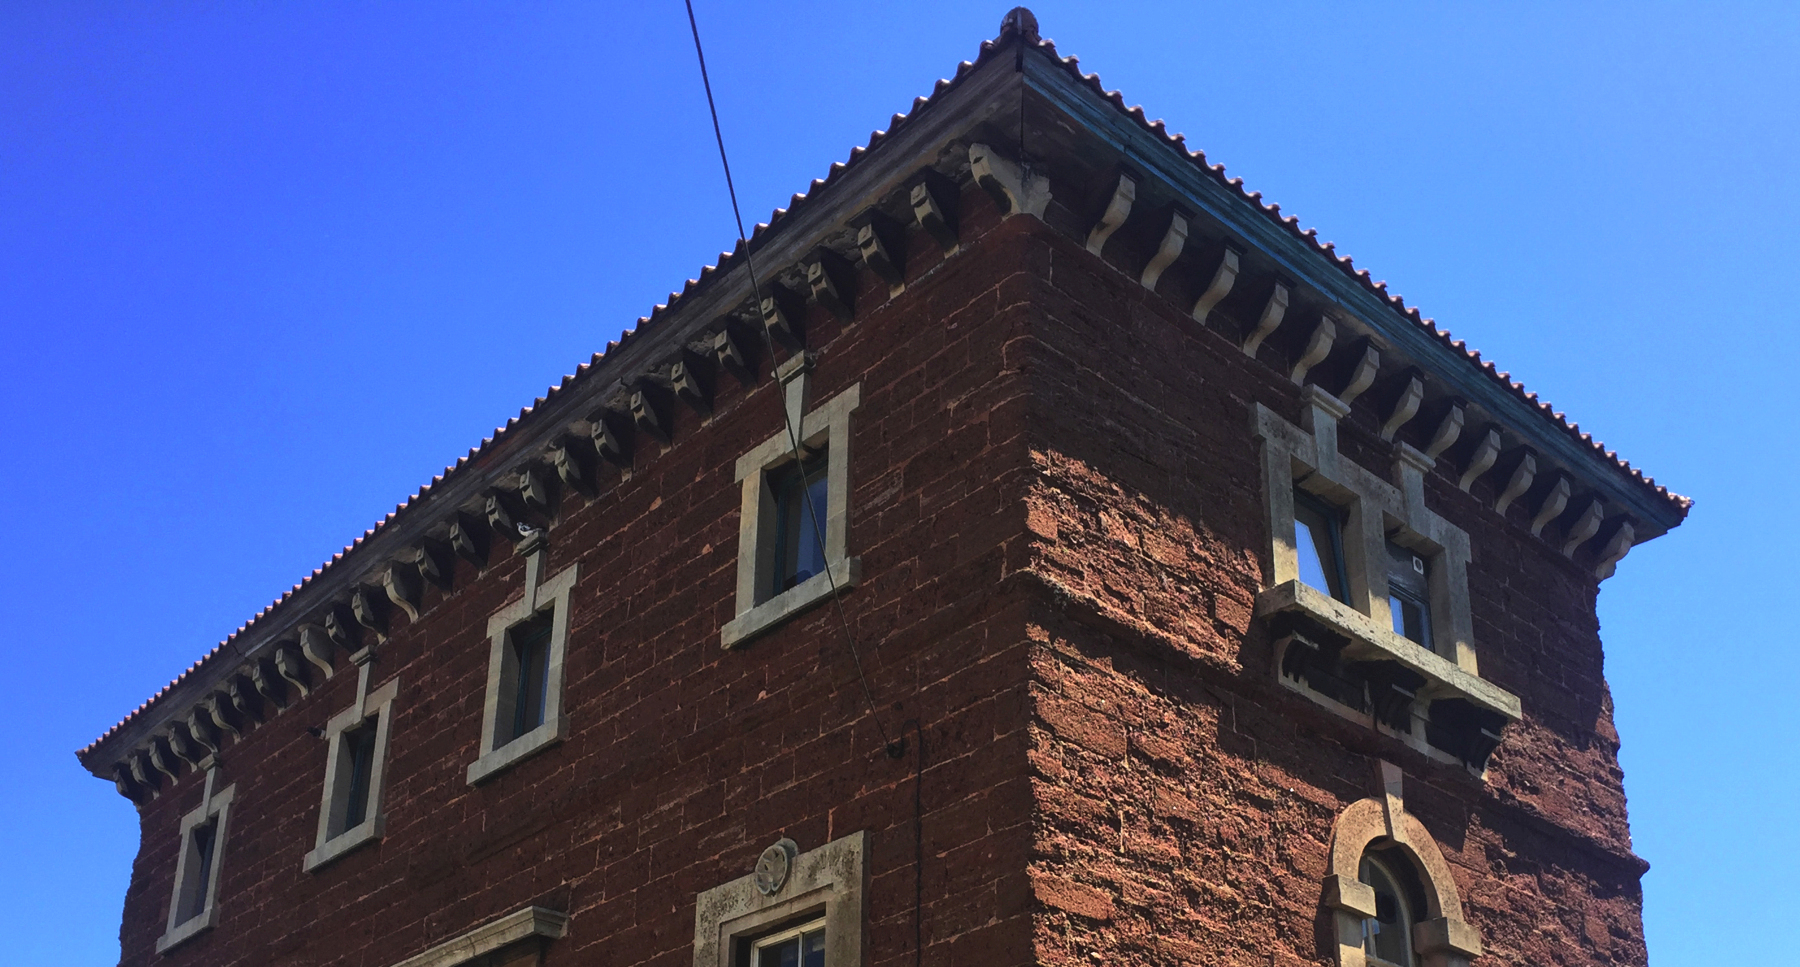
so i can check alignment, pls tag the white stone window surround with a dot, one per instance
(507, 940)
(830, 881)
(1375, 511)
(758, 608)
(335, 797)
(540, 594)
(215, 807)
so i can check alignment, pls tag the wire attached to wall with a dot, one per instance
(895, 746)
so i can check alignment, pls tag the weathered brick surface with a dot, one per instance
(1175, 781)
(1056, 498)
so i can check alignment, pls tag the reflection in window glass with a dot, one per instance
(359, 745)
(1409, 594)
(531, 685)
(794, 948)
(199, 875)
(1387, 936)
(1319, 540)
(800, 545)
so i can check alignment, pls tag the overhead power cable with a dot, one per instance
(895, 747)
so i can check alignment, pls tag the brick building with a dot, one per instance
(1066, 560)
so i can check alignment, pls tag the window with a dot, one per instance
(1319, 542)
(793, 526)
(1387, 936)
(193, 902)
(793, 909)
(799, 947)
(802, 501)
(529, 670)
(355, 758)
(523, 711)
(1409, 594)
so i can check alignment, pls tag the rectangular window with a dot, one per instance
(1409, 594)
(1319, 541)
(530, 643)
(802, 502)
(359, 758)
(201, 840)
(798, 947)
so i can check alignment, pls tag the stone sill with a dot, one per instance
(1369, 641)
(368, 831)
(182, 933)
(847, 572)
(518, 750)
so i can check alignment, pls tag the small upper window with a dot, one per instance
(1387, 936)
(1319, 541)
(802, 496)
(359, 763)
(798, 947)
(529, 647)
(1409, 594)
(196, 891)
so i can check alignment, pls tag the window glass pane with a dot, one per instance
(1387, 935)
(800, 549)
(359, 745)
(1319, 543)
(531, 656)
(813, 952)
(199, 872)
(1409, 593)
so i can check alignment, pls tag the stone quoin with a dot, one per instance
(1082, 564)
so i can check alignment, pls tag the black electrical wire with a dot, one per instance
(895, 747)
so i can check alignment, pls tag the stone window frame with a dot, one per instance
(1375, 512)
(829, 882)
(333, 798)
(828, 425)
(517, 939)
(540, 594)
(1441, 937)
(215, 807)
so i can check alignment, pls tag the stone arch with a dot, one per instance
(1441, 937)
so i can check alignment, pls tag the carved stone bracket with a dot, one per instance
(469, 538)
(648, 414)
(534, 490)
(404, 588)
(318, 647)
(1556, 499)
(1586, 525)
(733, 356)
(1615, 550)
(1224, 277)
(833, 283)
(370, 607)
(1405, 407)
(881, 242)
(1118, 208)
(691, 378)
(933, 200)
(1362, 375)
(572, 459)
(784, 317)
(612, 438)
(1272, 313)
(436, 563)
(1449, 430)
(1481, 458)
(1016, 188)
(1174, 240)
(1518, 483)
(1318, 346)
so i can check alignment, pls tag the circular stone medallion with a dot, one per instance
(773, 866)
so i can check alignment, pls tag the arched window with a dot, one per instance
(1387, 936)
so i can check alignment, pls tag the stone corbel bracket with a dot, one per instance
(1118, 208)
(1318, 346)
(1174, 240)
(1223, 278)
(933, 199)
(881, 242)
(1272, 313)
(1362, 375)
(1016, 188)
(1405, 406)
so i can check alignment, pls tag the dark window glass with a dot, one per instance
(530, 643)
(1409, 594)
(359, 745)
(1319, 540)
(1387, 937)
(200, 861)
(804, 949)
(800, 539)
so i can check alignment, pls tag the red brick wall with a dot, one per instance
(683, 761)
(1187, 800)
(1058, 505)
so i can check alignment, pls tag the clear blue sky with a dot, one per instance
(266, 268)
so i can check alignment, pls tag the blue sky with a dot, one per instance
(266, 268)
